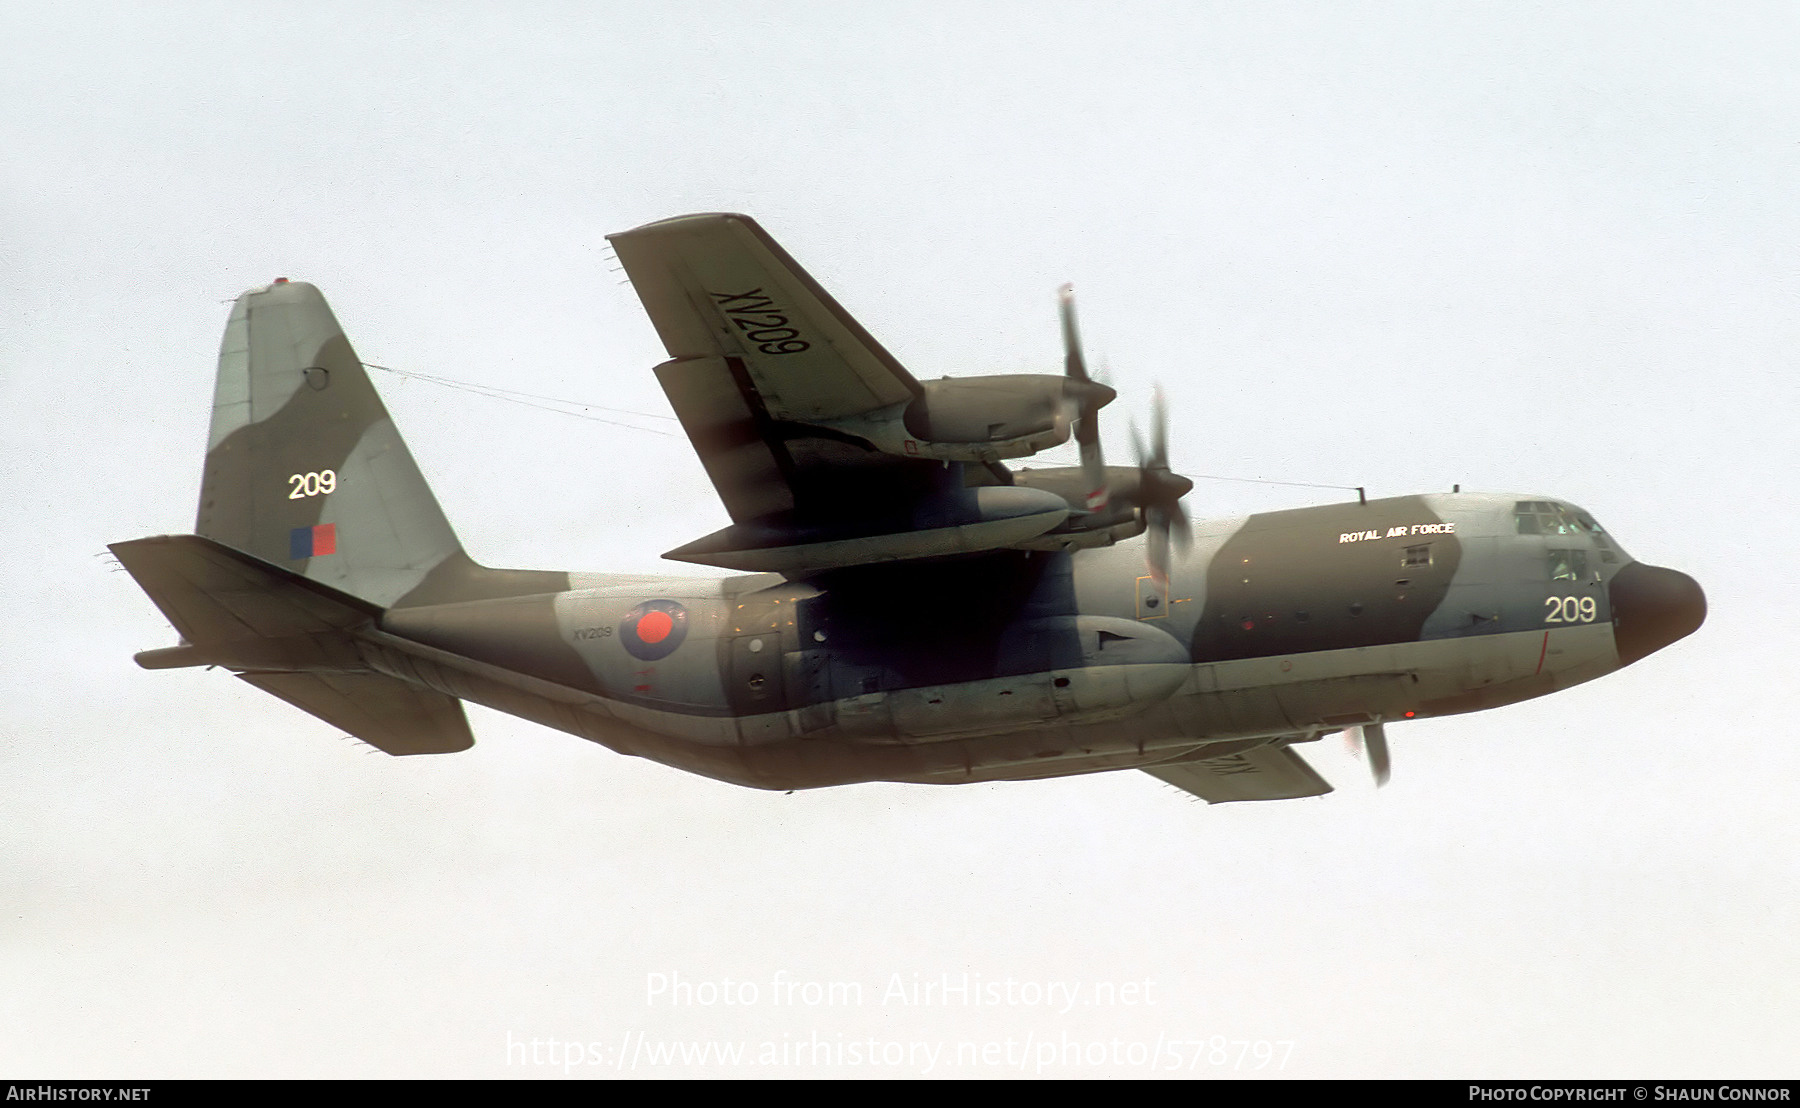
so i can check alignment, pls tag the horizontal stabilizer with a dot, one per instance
(1272, 772)
(293, 635)
(216, 596)
(385, 712)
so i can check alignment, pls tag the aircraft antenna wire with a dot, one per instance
(1060, 457)
(528, 399)
(1267, 481)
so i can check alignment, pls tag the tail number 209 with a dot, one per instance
(1570, 609)
(312, 484)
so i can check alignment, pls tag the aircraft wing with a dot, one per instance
(717, 285)
(1272, 772)
(775, 384)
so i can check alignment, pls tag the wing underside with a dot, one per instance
(1271, 772)
(780, 391)
(718, 286)
(761, 358)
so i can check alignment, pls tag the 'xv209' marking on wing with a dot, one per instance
(762, 322)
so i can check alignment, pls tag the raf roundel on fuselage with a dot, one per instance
(652, 630)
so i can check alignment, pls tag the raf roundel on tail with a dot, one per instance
(905, 607)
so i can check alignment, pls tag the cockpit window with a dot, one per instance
(1546, 517)
(1568, 565)
(1537, 517)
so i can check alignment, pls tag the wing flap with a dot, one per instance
(752, 474)
(1272, 772)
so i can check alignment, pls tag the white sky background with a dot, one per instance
(1545, 249)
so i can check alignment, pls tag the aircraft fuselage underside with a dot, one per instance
(1282, 627)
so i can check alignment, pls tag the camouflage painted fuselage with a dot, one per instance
(323, 572)
(1284, 624)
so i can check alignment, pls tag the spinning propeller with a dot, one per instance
(1087, 427)
(1159, 489)
(1372, 738)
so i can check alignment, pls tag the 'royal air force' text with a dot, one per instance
(1403, 531)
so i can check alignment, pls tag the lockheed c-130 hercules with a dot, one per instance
(905, 606)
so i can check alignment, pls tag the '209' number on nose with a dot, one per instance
(312, 484)
(1571, 609)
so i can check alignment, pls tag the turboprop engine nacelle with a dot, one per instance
(1007, 416)
(977, 419)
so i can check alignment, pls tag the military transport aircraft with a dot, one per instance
(905, 606)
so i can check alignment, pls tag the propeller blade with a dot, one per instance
(1073, 363)
(1373, 737)
(1159, 430)
(1156, 550)
(1184, 531)
(1092, 396)
(1159, 493)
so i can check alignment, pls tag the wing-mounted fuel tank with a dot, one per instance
(955, 521)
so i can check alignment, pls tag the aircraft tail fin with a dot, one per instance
(304, 468)
(313, 520)
(289, 636)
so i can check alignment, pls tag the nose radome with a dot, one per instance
(1651, 608)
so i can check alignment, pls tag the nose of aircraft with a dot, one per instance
(1651, 608)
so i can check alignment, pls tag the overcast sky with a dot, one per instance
(1534, 248)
